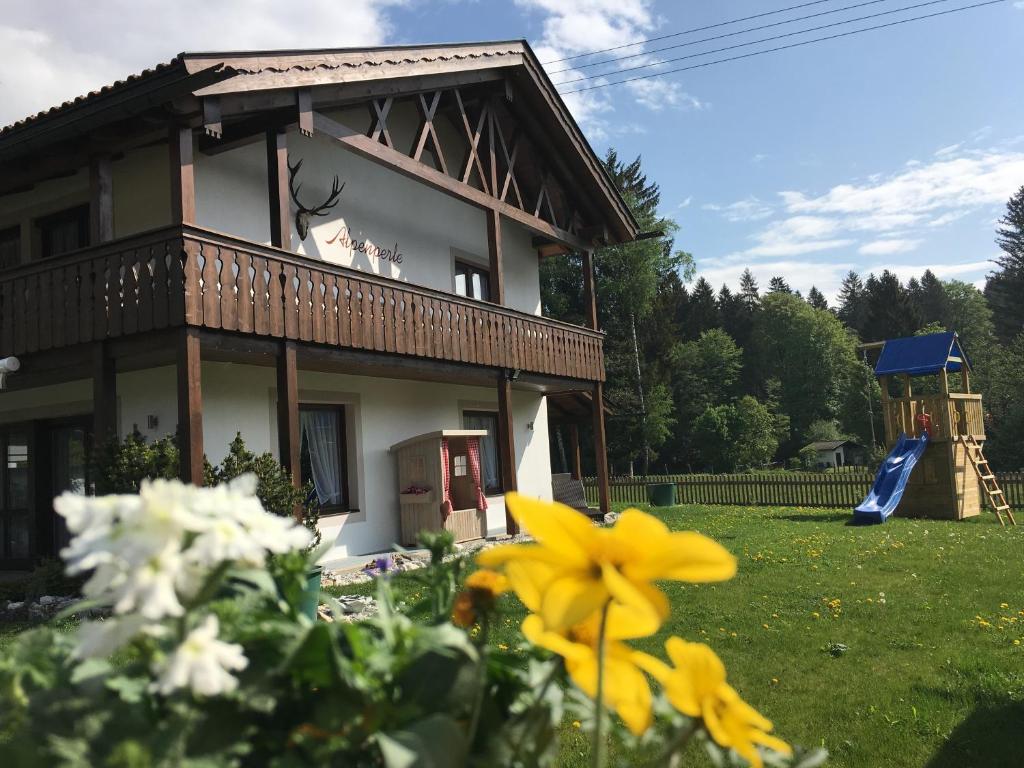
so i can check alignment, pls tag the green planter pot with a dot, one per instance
(661, 494)
(311, 594)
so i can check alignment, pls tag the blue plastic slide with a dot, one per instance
(891, 480)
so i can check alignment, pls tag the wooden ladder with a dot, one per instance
(996, 497)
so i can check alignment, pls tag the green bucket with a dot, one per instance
(661, 494)
(311, 593)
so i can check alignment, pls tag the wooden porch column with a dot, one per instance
(101, 200)
(506, 444)
(190, 407)
(601, 449)
(277, 186)
(104, 394)
(497, 268)
(288, 438)
(576, 461)
(589, 291)
(183, 186)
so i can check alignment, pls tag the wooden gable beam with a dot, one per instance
(405, 165)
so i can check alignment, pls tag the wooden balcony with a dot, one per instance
(188, 276)
(953, 415)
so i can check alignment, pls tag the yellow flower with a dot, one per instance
(481, 589)
(574, 567)
(625, 689)
(697, 688)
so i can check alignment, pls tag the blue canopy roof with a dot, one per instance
(922, 355)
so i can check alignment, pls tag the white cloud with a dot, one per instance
(749, 209)
(570, 29)
(67, 48)
(876, 216)
(950, 150)
(657, 95)
(686, 202)
(890, 246)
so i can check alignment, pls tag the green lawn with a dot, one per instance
(932, 615)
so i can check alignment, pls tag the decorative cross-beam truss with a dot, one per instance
(473, 136)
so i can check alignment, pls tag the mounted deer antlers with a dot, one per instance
(303, 215)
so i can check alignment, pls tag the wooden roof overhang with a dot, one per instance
(125, 114)
(573, 406)
(527, 159)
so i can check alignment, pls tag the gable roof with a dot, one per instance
(922, 355)
(229, 73)
(831, 445)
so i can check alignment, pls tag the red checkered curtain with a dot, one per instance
(446, 481)
(473, 448)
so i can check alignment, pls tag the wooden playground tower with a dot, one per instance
(951, 476)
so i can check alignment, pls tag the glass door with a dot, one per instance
(17, 516)
(68, 472)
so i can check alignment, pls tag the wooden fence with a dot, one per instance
(781, 489)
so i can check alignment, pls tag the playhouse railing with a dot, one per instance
(952, 415)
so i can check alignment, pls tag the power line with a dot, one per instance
(685, 32)
(781, 47)
(716, 37)
(754, 42)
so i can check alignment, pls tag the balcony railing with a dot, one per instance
(190, 276)
(952, 415)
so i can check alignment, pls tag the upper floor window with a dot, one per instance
(64, 231)
(471, 281)
(10, 247)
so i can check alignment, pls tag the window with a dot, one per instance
(459, 465)
(472, 281)
(490, 466)
(324, 454)
(10, 247)
(64, 231)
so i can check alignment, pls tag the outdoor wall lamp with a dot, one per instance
(8, 365)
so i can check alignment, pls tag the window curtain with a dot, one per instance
(488, 447)
(320, 428)
(473, 449)
(446, 481)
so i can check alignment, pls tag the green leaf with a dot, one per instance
(436, 741)
(315, 659)
(90, 668)
(132, 690)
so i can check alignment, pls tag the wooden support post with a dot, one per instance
(288, 437)
(576, 461)
(497, 268)
(183, 185)
(190, 407)
(601, 449)
(277, 186)
(101, 200)
(104, 394)
(507, 444)
(589, 292)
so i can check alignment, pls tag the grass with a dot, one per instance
(931, 614)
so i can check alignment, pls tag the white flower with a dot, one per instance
(149, 589)
(202, 663)
(101, 638)
(150, 553)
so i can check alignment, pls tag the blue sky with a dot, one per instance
(893, 149)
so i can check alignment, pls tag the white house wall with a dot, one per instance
(417, 231)
(382, 412)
